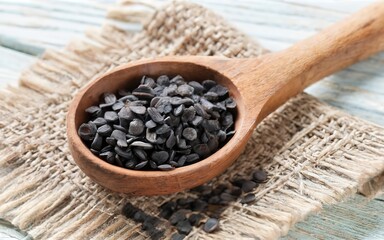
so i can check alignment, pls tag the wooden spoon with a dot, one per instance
(259, 86)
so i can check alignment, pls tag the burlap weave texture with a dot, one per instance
(314, 154)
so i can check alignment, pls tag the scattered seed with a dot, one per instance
(259, 176)
(211, 225)
(248, 186)
(248, 198)
(184, 227)
(178, 236)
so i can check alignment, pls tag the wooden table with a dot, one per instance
(28, 27)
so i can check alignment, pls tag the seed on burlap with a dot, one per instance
(141, 165)
(199, 205)
(184, 227)
(160, 157)
(178, 236)
(136, 127)
(165, 167)
(122, 153)
(259, 176)
(195, 218)
(248, 186)
(87, 131)
(214, 200)
(178, 216)
(211, 225)
(141, 144)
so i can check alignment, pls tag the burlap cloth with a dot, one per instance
(314, 154)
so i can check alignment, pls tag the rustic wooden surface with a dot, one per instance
(28, 27)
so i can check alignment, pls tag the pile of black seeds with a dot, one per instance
(161, 124)
(201, 209)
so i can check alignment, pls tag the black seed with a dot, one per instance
(197, 120)
(160, 140)
(230, 103)
(125, 114)
(136, 127)
(141, 165)
(221, 106)
(190, 133)
(109, 98)
(178, 80)
(97, 142)
(138, 109)
(118, 161)
(140, 153)
(221, 136)
(211, 225)
(202, 150)
(248, 198)
(200, 111)
(195, 219)
(184, 227)
(227, 197)
(198, 88)
(227, 119)
(208, 84)
(155, 115)
(259, 176)
(119, 135)
(129, 98)
(214, 200)
(106, 149)
(248, 186)
(87, 131)
(163, 129)
(178, 216)
(123, 92)
(163, 80)
(199, 205)
(124, 154)
(181, 161)
(235, 191)
(211, 96)
(211, 125)
(207, 105)
(178, 236)
(141, 144)
(231, 133)
(238, 182)
(117, 106)
(165, 167)
(172, 120)
(104, 130)
(182, 143)
(149, 82)
(118, 127)
(105, 106)
(167, 108)
(160, 157)
(94, 151)
(111, 141)
(111, 116)
(192, 157)
(150, 124)
(152, 164)
(108, 157)
(143, 92)
(130, 163)
(170, 90)
(139, 216)
(220, 90)
(188, 114)
(185, 90)
(178, 110)
(151, 136)
(99, 121)
(171, 141)
(178, 101)
(93, 110)
(212, 143)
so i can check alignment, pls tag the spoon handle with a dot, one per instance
(349, 41)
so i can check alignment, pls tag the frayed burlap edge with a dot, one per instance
(313, 153)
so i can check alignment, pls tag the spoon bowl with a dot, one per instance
(258, 85)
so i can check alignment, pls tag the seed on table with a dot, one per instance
(155, 115)
(198, 88)
(87, 131)
(259, 176)
(178, 236)
(184, 227)
(211, 225)
(99, 121)
(185, 90)
(138, 109)
(160, 157)
(248, 186)
(189, 133)
(178, 110)
(97, 142)
(104, 130)
(150, 124)
(111, 116)
(163, 129)
(165, 167)
(248, 198)
(109, 98)
(141, 165)
(117, 106)
(208, 84)
(93, 110)
(136, 127)
(141, 144)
